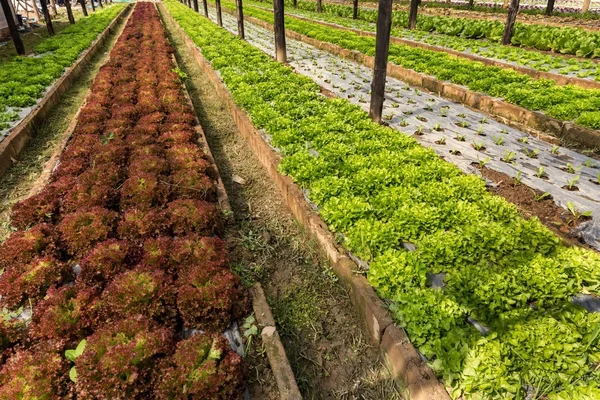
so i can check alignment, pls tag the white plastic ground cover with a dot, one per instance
(452, 130)
(563, 65)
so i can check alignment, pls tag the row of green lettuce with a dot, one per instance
(379, 189)
(568, 103)
(541, 61)
(498, 8)
(565, 40)
(24, 79)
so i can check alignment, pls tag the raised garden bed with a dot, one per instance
(116, 283)
(419, 223)
(21, 91)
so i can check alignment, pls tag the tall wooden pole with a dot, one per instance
(319, 6)
(471, 3)
(382, 48)
(69, 12)
(586, 6)
(83, 8)
(53, 7)
(279, 29)
(550, 7)
(205, 5)
(354, 9)
(93, 5)
(36, 11)
(513, 9)
(412, 16)
(47, 17)
(240, 19)
(12, 27)
(196, 5)
(295, 3)
(100, 3)
(219, 16)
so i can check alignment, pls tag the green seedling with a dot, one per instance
(508, 156)
(460, 138)
(478, 146)
(499, 140)
(395, 105)
(504, 131)
(543, 196)
(572, 182)
(540, 172)
(71, 355)
(518, 178)
(107, 138)
(455, 152)
(483, 162)
(407, 112)
(555, 149)
(532, 153)
(182, 75)
(388, 117)
(419, 130)
(250, 331)
(576, 213)
(523, 140)
(480, 131)
(403, 122)
(442, 140)
(437, 127)
(589, 163)
(483, 120)
(461, 115)
(443, 113)
(571, 169)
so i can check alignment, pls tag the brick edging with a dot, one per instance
(17, 138)
(535, 123)
(402, 358)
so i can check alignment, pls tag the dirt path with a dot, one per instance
(47, 139)
(329, 355)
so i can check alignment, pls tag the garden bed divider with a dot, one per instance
(15, 141)
(402, 359)
(536, 123)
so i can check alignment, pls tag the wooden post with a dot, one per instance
(240, 19)
(196, 5)
(471, 4)
(69, 12)
(319, 6)
(586, 6)
(12, 27)
(36, 11)
(100, 3)
(279, 29)
(354, 9)
(205, 5)
(53, 7)
(83, 8)
(219, 16)
(550, 7)
(412, 16)
(47, 17)
(382, 48)
(513, 9)
(295, 3)
(93, 5)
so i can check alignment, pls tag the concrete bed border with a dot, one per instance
(17, 138)
(535, 123)
(401, 357)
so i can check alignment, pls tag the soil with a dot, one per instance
(530, 203)
(329, 355)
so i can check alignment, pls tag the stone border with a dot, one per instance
(535, 123)
(15, 141)
(280, 365)
(402, 358)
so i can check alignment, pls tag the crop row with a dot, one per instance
(582, 68)
(569, 103)
(414, 217)
(118, 256)
(24, 79)
(564, 40)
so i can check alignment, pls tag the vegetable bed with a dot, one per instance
(565, 40)
(453, 260)
(24, 79)
(568, 103)
(116, 284)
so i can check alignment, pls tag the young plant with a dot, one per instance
(518, 178)
(483, 162)
(571, 183)
(509, 156)
(499, 140)
(576, 213)
(543, 196)
(540, 172)
(479, 146)
(72, 355)
(555, 149)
